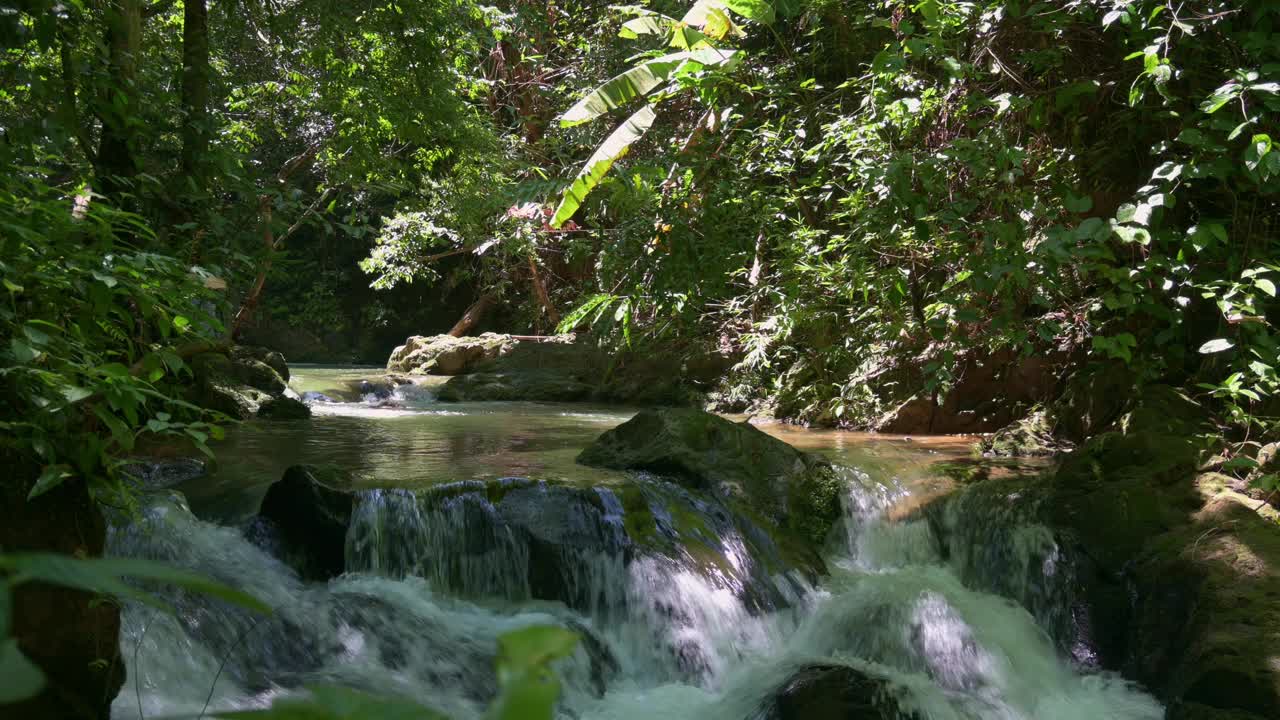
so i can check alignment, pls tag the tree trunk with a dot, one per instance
(471, 316)
(195, 89)
(540, 289)
(116, 163)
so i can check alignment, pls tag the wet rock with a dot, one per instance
(72, 636)
(793, 490)
(157, 474)
(284, 408)
(520, 539)
(833, 692)
(309, 509)
(445, 354)
(1170, 574)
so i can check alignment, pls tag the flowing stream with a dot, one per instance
(663, 638)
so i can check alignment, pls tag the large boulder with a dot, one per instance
(306, 514)
(245, 382)
(446, 354)
(794, 491)
(1169, 576)
(557, 369)
(833, 692)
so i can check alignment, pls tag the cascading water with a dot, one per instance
(433, 580)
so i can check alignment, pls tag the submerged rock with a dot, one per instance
(157, 474)
(833, 692)
(795, 491)
(309, 510)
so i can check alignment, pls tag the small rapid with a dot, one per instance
(429, 588)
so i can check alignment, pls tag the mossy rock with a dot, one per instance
(1032, 436)
(243, 382)
(284, 408)
(793, 490)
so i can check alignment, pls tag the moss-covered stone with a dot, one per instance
(242, 382)
(793, 490)
(1032, 436)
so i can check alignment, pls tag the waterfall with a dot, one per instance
(684, 609)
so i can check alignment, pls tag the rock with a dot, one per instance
(270, 358)
(1032, 436)
(71, 635)
(553, 369)
(240, 383)
(1171, 576)
(529, 385)
(1092, 400)
(833, 692)
(309, 509)
(445, 354)
(793, 490)
(157, 474)
(284, 408)
(519, 539)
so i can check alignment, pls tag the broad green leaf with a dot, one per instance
(646, 25)
(20, 679)
(12, 286)
(22, 352)
(614, 147)
(50, 478)
(535, 645)
(103, 575)
(1216, 346)
(1266, 286)
(529, 688)
(622, 89)
(759, 11)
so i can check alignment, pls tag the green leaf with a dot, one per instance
(20, 679)
(12, 287)
(1266, 286)
(50, 478)
(529, 687)
(103, 575)
(754, 10)
(614, 147)
(22, 352)
(1216, 346)
(622, 89)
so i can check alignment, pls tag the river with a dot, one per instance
(891, 605)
